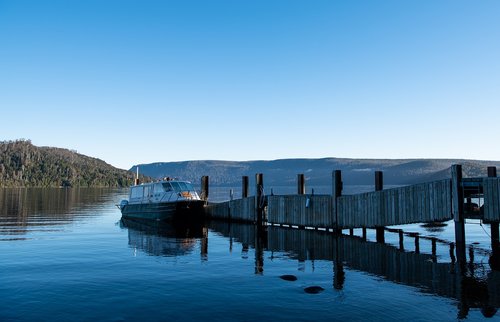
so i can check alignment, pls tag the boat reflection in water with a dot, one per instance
(164, 239)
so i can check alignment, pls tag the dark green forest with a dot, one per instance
(24, 165)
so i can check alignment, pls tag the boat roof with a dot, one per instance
(163, 181)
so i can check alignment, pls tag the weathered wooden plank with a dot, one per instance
(434, 200)
(491, 188)
(495, 215)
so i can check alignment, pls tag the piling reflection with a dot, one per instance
(164, 239)
(473, 285)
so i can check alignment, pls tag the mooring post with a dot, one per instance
(244, 187)
(417, 243)
(204, 188)
(259, 198)
(379, 185)
(495, 242)
(458, 211)
(492, 173)
(336, 192)
(401, 240)
(301, 184)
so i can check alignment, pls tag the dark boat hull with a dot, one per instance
(179, 211)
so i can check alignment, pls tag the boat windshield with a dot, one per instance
(181, 186)
(184, 186)
(167, 186)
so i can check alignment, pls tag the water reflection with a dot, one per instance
(28, 209)
(164, 239)
(21, 203)
(472, 285)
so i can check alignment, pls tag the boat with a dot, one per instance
(164, 200)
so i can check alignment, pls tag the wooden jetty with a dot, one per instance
(430, 202)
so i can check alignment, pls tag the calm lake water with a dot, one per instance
(65, 255)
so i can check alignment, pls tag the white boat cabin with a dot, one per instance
(162, 191)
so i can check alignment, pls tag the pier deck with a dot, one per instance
(456, 198)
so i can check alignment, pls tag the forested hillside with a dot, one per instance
(24, 165)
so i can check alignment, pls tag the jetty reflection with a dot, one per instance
(165, 239)
(474, 285)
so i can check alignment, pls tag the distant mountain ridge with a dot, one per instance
(24, 165)
(317, 171)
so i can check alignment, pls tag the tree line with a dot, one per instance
(24, 165)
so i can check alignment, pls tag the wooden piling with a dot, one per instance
(458, 211)
(379, 180)
(379, 185)
(401, 240)
(259, 198)
(492, 173)
(301, 184)
(244, 187)
(336, 192)
(204, 188)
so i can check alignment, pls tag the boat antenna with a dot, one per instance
(137, 177)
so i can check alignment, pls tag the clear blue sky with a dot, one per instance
(144, 81)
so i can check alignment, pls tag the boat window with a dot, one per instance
(189, 186)
(136, 192)
(176, 186)
(147, 191)
(158, 188)
(167, 186)
(184, 186)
